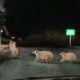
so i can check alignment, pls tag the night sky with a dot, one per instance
(25, 16)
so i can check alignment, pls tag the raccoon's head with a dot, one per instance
(35, 51)
(62, 53)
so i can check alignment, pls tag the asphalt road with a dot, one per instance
(25, 66)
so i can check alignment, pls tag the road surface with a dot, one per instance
(25, 66)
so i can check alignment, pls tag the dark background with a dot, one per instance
(29, 15)
(42, 21)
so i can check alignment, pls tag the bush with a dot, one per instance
(48, 38)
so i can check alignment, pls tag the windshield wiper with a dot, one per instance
(56, 78)
(53, 78)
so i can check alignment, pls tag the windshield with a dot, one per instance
(39, 39)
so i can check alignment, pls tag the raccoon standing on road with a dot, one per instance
(43, 55)
(14, 50)
(69, 56)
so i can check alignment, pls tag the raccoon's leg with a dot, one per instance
(36, 59)
(46, 60)
(41, 60)
(62, 60)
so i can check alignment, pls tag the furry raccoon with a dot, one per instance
(69, 56)
(11, 51)
(43, 55)
(14, 50)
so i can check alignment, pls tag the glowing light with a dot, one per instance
(1, 31)
(70, 32)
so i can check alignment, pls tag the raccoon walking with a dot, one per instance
(42, 56)
(69, 56)
(13, 49)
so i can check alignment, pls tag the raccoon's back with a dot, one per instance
(71, 56)
(46, 54)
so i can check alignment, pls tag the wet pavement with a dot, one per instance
(25, 66)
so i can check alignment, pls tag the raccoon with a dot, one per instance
(42, 56)
(69, 57)
(14, 50)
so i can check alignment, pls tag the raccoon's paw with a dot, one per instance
(62, 60)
